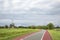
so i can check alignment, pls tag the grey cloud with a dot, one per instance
(12, 16)
(34, 20)
(55, 10)
(33, 16)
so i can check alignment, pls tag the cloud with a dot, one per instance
(31, 6)
(5, 21)
(30, 19)
(30, 12)
(55, 10)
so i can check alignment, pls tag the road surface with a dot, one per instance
(35, 36)
(41, 35)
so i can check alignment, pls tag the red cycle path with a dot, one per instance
(47, 36)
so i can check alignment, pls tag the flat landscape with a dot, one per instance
(9, 34)
(55, 34)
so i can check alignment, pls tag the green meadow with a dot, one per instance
(9, 34)
(55, 34)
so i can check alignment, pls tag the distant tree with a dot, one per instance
(39, 27)
(20, 26)
(33, 27)
(29, 27)
(12, 25)
(50, 26)
(44, 27)
(6, 26)
(1, 26)
(57, 27)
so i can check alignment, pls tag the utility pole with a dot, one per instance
(10, 11)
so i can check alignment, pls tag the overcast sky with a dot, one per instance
(29, 12)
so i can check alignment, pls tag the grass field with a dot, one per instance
(9, 34)
(55, 34)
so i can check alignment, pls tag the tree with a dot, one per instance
(12, 25)
(57, 27)
(1, 26)
(32, 27)
(6, 26)
(50, 26)
(20, 26)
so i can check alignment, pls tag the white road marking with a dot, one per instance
(43, 35)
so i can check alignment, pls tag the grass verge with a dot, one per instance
(9, 34)
(55, 34)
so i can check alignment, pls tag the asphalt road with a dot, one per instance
(35, 36)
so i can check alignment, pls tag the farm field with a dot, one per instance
(55, 34)
(9, 34)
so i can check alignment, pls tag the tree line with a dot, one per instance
(48, 26)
